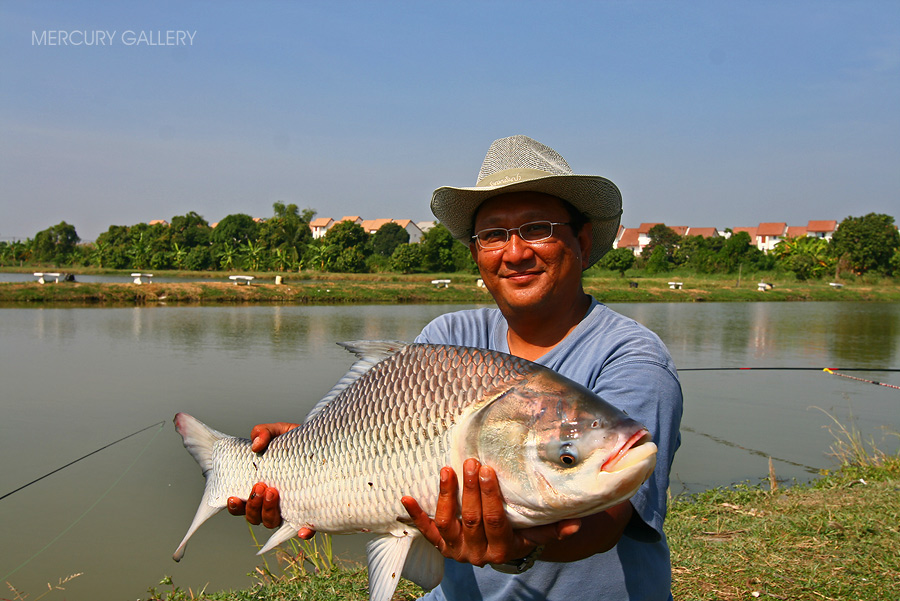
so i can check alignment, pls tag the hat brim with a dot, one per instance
(596, 197)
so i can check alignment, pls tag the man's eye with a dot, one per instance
(492, 235)
(536, 230)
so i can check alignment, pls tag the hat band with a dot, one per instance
(511, 176)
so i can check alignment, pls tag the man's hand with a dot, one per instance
(482, 534)
(262, 505)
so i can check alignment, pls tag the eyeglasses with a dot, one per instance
(495, 238)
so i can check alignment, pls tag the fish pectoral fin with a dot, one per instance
(284, 533)
(424, 564)
(386, 555)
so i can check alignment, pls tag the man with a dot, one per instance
(533, 227)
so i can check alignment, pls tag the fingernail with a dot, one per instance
(270, 495)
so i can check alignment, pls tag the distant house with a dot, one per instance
(769, 234)
(703, 232)
(412, 228)
(796, 231)
(629, 238)
(644, 235)
(319, 226)
(821, 229)
(159, 222)
(425, 225)
(373, 225)
(751, 231)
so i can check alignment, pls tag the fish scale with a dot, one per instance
(402, 413)
(366, 434)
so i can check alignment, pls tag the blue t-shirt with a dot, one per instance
(627, 365)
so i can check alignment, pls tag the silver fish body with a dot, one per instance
(400, 415)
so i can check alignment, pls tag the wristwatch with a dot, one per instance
(517, 566)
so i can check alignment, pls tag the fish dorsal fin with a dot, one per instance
(369, 352)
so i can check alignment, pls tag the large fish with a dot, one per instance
(401, 413)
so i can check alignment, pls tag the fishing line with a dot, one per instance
(160, 424)
(834, 372)
(95, 503)
(727, 443)
(885, 369)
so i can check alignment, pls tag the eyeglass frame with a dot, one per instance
(518, 231)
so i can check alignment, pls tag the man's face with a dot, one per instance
(531, 276)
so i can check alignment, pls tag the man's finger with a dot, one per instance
(421, 520)
(271, 512)
(471, 511)
(502, 542)
(447, 510)
(253, 507)
(236, 506)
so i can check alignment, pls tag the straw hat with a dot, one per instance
(520, 164)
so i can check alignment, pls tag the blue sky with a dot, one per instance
(703, 113)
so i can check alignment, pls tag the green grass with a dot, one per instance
(330, 288)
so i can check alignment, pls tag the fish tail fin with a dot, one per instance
(199, 440)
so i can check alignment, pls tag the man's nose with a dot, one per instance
(516, 248)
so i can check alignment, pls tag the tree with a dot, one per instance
(55, 244)
(235, 229)
(866, 243)
(406, 258)
(618, 259)
(805, 256)
(437, 249)
(189, 231)
(660, 235)
(738, 251)
(388, 237)
(252, 254)
(285, 235)
(658, 261)
(347, 234)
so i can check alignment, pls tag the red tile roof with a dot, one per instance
(771, 229)
(706, 232)
(796, 231)
(628, 239)
(822, 226)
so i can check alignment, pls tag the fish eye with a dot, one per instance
(568, 455)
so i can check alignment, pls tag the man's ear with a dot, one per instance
(474, 251)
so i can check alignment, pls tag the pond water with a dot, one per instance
(77, 379)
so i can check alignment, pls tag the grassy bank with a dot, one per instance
(835, 538)
(323, 288)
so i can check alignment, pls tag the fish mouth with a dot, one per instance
(634, 450)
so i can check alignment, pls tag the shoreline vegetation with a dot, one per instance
(317, 288)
